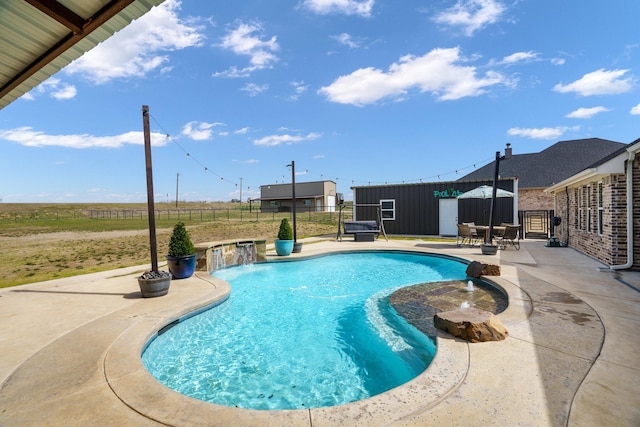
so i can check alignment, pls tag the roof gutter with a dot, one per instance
(584, 175)
(629, 263)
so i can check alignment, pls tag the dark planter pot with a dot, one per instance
(283, 247)
(154, 287)
(297, 247)
(182, 267)
(488, 249)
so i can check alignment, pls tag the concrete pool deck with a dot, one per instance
(71, 352)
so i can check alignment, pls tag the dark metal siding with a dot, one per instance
(417, 207)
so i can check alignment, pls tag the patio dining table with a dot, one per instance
(483, 230)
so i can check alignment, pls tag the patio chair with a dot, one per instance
(510, 237)
(472, 226)
(466, 236)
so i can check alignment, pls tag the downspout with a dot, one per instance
(566, 191)
(629, 262)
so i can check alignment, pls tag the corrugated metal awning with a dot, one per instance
(40, 37)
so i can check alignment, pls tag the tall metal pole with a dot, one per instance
(150, 203)
(177, 176)
(488, 238)
(293, 192)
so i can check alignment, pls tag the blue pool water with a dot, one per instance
(301, 334)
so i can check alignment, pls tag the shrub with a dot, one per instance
(180, 243)
(285, 232)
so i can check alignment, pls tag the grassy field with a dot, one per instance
(48, 241)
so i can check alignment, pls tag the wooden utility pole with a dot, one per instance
(177, 177)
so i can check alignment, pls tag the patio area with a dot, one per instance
(72, 347)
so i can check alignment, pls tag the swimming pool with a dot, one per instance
(300, 334)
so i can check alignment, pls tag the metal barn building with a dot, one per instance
(432, 208)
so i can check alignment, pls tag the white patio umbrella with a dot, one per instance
(484, 192)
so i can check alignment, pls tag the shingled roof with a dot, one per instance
(552, 165)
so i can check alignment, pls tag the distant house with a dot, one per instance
(316, 196)
(599, 208)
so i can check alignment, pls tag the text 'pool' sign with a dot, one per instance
(447, 194)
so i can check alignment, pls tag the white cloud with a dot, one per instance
(519, 57)
(558, 61)
(346, 40)
(542, 133)
(246, 40)
(140, 47)
(65, 91)
(255, 89)
(347, 7)
(471, 15)
(635, 110)
(586, 113)
(198, 131)
(273, 140)
(242, 131)
(600, 82)
(30, 138)
(55, 88)
(299, 88)
(436, 72)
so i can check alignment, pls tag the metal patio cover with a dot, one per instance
(484, 192)
(40, 37)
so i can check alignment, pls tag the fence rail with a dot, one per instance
(186, 214)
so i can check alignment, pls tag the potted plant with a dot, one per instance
(181, 259)
(284, 242)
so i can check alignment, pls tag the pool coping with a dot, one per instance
(135, 387)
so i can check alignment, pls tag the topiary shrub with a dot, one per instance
(285, 232)
(180, 243)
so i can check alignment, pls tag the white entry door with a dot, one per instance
(448, 210)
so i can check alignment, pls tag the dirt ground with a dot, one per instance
(29, 258)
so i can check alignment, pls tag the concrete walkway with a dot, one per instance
(71, 352)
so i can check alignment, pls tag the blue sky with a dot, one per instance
(360, 92)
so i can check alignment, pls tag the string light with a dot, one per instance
(187, 154)
(425, 179)
(353, 181)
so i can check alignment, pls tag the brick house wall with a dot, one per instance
(534, 199)
(605, 239)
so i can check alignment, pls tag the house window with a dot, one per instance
(600, 209)
(580, 208)
(388, 209)
(306, 202)
(589, 208)
(576, 209)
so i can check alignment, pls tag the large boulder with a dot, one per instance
(476, 269)
(471, 324)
